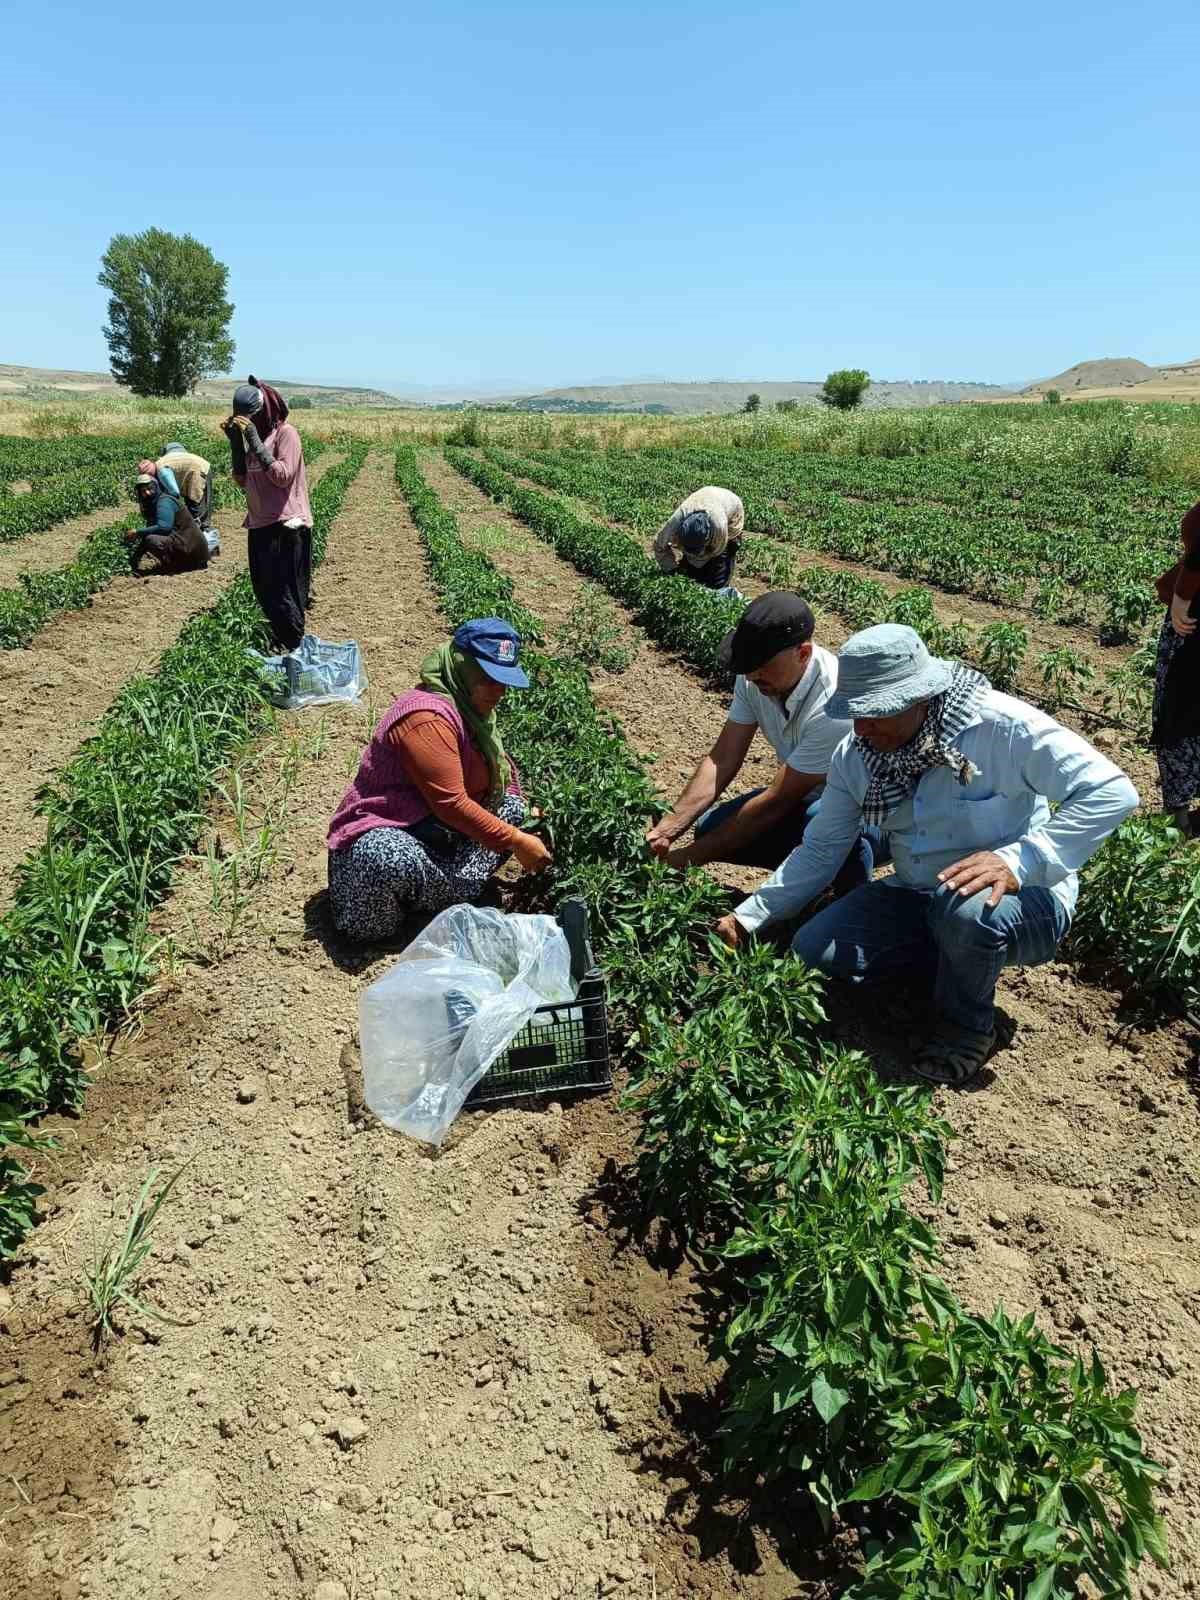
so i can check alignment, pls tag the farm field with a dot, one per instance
(513, 1368)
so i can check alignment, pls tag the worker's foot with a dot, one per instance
(953, 1060)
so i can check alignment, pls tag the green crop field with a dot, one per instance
(921, 1441)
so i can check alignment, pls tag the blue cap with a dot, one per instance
(496, 645)
(695, 531)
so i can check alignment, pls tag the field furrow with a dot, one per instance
(431, 1298)
(57, 688)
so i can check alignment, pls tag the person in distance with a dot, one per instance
(782, 687)
(171, 541)
(1175, 733)
(700, 538)
(961, 780)
(436, 804)
(268, 464)
(192, 478)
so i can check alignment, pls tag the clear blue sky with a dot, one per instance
(536, 194)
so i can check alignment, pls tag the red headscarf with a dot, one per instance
(274, 408)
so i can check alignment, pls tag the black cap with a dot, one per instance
(769, 624)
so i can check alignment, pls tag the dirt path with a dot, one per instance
(56, 546)
(1074, 1188)
(54, 692)
(382, 1387)
(408, 1377)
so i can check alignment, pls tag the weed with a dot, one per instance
(591, 633)
(112, 1277)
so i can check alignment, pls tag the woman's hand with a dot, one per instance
(531, 852)
(731, 931)
(241, 423)
(1183, 623)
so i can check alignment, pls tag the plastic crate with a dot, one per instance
(563, 1046)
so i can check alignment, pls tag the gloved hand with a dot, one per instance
(254, 444)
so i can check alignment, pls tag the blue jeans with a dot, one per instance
(952, 951)
(775, 843)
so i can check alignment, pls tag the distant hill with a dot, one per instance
(720, 396)
(37, 380)
(1110, 373)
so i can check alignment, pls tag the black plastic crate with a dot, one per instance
(563, 1046)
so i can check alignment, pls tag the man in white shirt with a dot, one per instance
(960, 779)
(783, 684)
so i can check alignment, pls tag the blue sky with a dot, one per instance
(532, 194)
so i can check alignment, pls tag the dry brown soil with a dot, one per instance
(54, 692)
(56, 546)
(408, 1376)
(1076, 1184)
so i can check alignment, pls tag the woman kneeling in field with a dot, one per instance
(436, 803)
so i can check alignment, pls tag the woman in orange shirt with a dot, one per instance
(436, 803)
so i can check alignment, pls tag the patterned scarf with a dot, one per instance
(895, 773)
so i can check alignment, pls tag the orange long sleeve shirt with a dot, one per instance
(451, 789)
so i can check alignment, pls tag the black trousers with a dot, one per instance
(279, 573)
(306, 565)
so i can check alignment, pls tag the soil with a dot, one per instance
(403, 1375)
(55, 546)
(55, 691)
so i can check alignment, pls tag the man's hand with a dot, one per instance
(1183, 624)
(731, 931)
(661, 835)
(983, 870)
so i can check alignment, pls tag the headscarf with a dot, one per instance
(274, 406)
(450, 671)
(895, 773)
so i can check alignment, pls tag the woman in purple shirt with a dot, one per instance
(268, 464)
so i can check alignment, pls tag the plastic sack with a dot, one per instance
(316, 673)
(432, 1026)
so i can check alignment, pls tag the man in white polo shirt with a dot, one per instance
(783, 681)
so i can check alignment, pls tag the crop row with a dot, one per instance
(978, 1458)
(1056, 678)
(1102, 572)
(37, 460)
(27, 605)
(74, 947)
(1130, 911)
(103, 481)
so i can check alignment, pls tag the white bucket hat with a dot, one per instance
(885, 670)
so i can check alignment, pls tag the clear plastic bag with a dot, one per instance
(315, 673)
(432, 1026)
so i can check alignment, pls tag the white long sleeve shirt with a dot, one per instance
(1026, 761)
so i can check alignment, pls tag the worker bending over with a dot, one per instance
(193, 480)
(782, 688)
(961, 779)
(171, 540)
(700, 538)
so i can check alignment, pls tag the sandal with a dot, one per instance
(954, 1062)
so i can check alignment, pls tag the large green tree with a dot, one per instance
(845, 388)
(168, 318)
